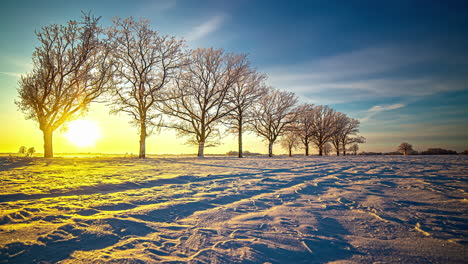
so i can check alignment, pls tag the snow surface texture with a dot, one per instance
(389, 209)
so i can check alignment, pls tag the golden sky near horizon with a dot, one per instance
(116, 135)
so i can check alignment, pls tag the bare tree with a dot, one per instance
(405, 148)
(247, 90)
(345, 128)
(354, 149)
(351, 129)
(22, 150)
(341, 122)
(352, 140)
(200, 97)
(146, 62)
(327, 147)
(303, 125)
(323, 126)
(289, 141)
(31, 152)
(70, 70)
(273, 114)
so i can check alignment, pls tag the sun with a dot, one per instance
(83, 133)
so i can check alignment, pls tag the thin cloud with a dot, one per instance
(12, 74)
(376, 109)
(380, 108)
(365, 74)
(156, 7)
(206, 28)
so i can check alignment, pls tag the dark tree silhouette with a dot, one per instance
(31, 151)
(274, 113)
(22, 150)
(70, 70)
(199, 100)
(405, 148)
(146, 62)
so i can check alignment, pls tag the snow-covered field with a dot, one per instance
(381, 209)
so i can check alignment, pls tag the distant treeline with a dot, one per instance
(429, 151)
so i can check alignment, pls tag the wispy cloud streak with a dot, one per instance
(206, 28)
(376, 109)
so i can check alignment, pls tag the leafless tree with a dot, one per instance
(354, 149)
(31, 152)
(303, 125)
(273, 114)
(323, 126)
(341, 122)
(351, 129)
(327, 147)
(405, 148)
(247, 90)
(146, 62)
(290, 141)
(22, 150)
(200, 97)
(345, 129)
(70, 70)
(352, 140)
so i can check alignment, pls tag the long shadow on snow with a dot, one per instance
(107, 188)
(61, 243)
(179, 211)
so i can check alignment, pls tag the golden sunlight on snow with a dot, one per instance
(83, 133)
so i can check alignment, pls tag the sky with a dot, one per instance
(400, 67)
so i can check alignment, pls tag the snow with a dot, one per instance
(169, 209)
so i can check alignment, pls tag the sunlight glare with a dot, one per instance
(83, 133)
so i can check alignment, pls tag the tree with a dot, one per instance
(199, 100)
(341, 122)
(289, 141)
(354, 149)
(352, 140)
(323, 126)
(327, 147)
(146, 62)
(70, 70)
(303, 125)
(346, 127)
(31, 151)
(22, 150)
(273, 114)
(405, 148)
(246, 91)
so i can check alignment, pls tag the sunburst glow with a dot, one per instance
(83, 133)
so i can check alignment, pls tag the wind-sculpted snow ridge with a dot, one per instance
(387, 209)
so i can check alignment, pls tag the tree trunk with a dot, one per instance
(142, 154)
(338, 152)
(320, 151)
(306, 145)
(290, 152)
(201, 149)
(270, 149)
(240, 138)
(48, 150)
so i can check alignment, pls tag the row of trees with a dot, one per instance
(159, 83)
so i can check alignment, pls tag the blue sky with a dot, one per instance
(401, 67)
